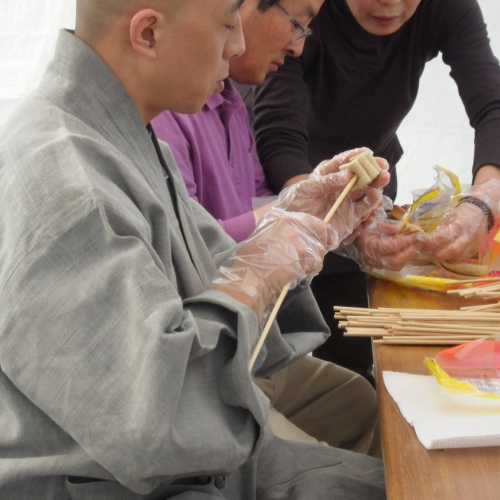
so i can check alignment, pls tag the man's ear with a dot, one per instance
(142, 32)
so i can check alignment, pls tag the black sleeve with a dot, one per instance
(280, 103)
(466, 49)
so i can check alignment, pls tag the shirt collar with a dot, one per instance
(214, 101)
(227, 96)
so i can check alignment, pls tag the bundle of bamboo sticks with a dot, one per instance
(478, 287)
(420, 326)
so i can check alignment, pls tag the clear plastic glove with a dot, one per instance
(381, 246)
(462, 232)
(317, 194)
(364, 214)
(285, 247)
(333, 165)
(378, 243)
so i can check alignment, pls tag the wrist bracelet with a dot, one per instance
(481, 205)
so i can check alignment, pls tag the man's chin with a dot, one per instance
(192, 107)
(248, 79)
(219, 87)
(247, 76)
(197, 103)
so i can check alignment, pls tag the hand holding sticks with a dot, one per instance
(366, 170)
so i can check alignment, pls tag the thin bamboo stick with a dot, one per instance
(350, 332)
(481, 292)
(495, 286)
(451, 328)
(418, 342)
(475, 290)
(413, 335)
(463, 292)
(458, 316)
(485, 307)
(471, 280)
(459, 323)
(437, 337)
(362, 320)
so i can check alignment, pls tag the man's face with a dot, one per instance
(382, 17)
(194, 53)
(268, 37)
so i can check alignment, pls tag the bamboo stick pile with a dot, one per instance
(420, 326)
(488, 288)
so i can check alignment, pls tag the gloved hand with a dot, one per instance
(381, 246)
(285, 246)
(333, 165)
(318, 193)
(462, 232)
(378, 243)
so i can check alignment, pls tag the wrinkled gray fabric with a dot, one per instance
(117, 360)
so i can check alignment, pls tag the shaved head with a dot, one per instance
(96, 18)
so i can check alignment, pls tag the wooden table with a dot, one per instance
(411, 471)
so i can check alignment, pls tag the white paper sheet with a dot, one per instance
(440, 420)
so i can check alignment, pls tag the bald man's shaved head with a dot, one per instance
(96, 18)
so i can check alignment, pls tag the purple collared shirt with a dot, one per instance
(215, 152)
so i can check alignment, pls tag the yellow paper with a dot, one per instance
(452, 385)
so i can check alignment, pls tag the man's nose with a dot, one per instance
(235, 43)
(295, 49)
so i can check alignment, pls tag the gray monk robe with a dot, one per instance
(117, 360)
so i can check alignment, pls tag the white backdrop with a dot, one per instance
(435, 132)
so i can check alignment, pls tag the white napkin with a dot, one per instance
(441, 420)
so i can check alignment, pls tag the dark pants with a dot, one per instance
(347, 289)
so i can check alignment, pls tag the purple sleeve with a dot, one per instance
(239, 228)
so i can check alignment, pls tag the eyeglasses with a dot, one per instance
(300, 31)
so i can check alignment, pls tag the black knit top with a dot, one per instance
(351, 88)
